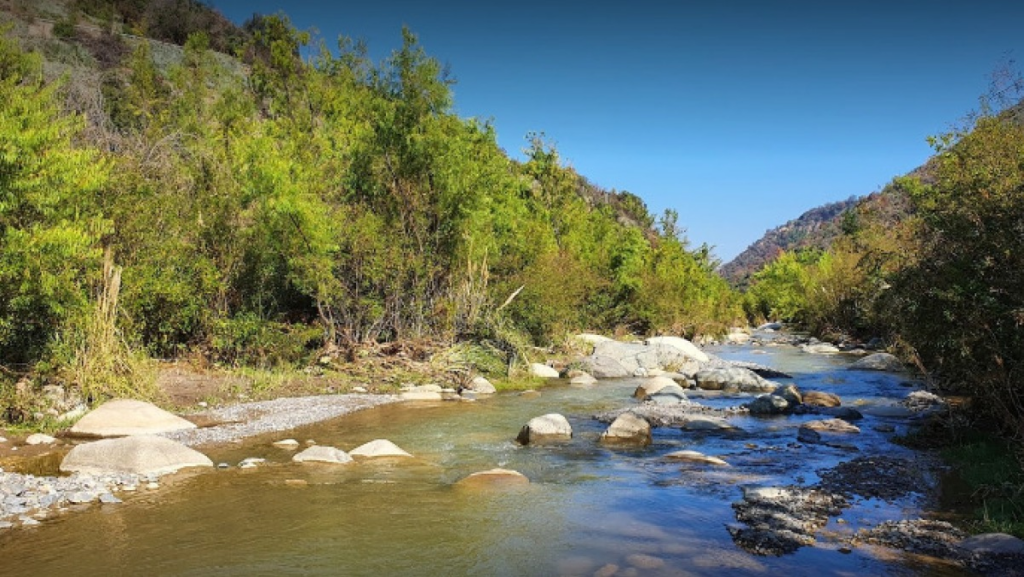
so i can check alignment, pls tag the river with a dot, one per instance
(588, 507)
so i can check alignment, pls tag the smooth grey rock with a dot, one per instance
(543, 371)
(770, 327)
(668, 396)
(481, 386)
(878, 362)
(695, 457)
(603, 367)
(997, 543)
(122, 417)
(40, 439)
(286, 444)
(632, 356)
(682, 345)
(582, 380)
(652, 385)
(819, 348)
(322, 454)
(552, 426)
(733, 379)
(628, 428)
(826, 431)
(706, 423)
(844, 413)
(791, 393)
(137, 454)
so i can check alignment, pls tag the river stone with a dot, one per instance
(286, 444)
(652, 385)
(628, 428)
(634, 356)
(695, 457)
(543, 371)
(550, 427)
(668, 396)
(40, 439)
(993, 543)
(820, 348)
(821, 399)
(791, 393)
(322, 454)
(494, 478)
(768, 405)
(844, 413)
(379, 448)
(603, 367)
(878, 362)
(415, 395)
(481, 386)
(684, 346)
(733, 379)
(737, 336)
(705, 423)
(825, 431)
(889, 411)
(582, 379)
(123, 417)
(138, 454)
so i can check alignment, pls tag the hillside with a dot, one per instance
(815, 228)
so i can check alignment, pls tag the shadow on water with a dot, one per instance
(588, 508)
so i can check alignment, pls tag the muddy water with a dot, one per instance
(588, 507)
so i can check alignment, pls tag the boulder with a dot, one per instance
(481, 386)
(737, 336)
(582, 379)
(791, 394)
(705, 423)
(733, 379)
(657, 355)
(138, 454)
(695, 457)
(820, 348)
(543, 371)
(652, 385)
(682, 345)
(123, 417)
(993, 543)
(494, 478)
(322, 454)
(550, 427)
(378, 448)
(826, 431)
(603, 367)
(286, 444)
(768, 405)
(628, 428)
(844, 413)
(770, 327)
(39, 439)
(878, 362)
(668, 396)
(761, 370)
(821, 399)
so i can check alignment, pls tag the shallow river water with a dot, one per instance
(588, 507)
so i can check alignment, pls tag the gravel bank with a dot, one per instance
(256, 418)
(24, 499)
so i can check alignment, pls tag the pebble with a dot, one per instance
(222, 465)
(153, 485)
(251, 462)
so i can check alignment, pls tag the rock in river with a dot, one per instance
(322, 454)
(696, 457)
(494, 478)
(139, 454)
(543, 371)
(122, 417)
(826, 431)
(481, 386)
(379, 448)
(768, 405)
(733, 379)
(550, 427)
(878, 362)
(821, 399)
(628, 428)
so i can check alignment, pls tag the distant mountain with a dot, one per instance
(816, 228)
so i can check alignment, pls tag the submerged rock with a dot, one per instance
(826, 431)
(40, 439)
(550, 427)
(137, 454)
(379, 448)
(768, 405)
(322, 454)
(494, 478)
(705, 423)
(695, 457)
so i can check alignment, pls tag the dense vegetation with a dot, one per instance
(934, 264)
(289, 207)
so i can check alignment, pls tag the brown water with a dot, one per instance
(587, 506)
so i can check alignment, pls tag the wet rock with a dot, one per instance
(761, 370)
(481, 386)
(878, 362)
(496, 478)
(733, 379)
(251, 462)
(628, 428)
(826, 431)
(603, 367)
(137, 454)
(770, 327)
(39, 439)
(780, 520)
(844, 413)
(919, 401)
(819, 348)
(998, 543)
(653, 385)
(684, 346)
(706, 423)
(935, 538)
(667, 396)
(607, 570)
(286, 444)
(379, 448)
(888, 411)
(791, 393)
(821, 399)
(695, 457)
(582, 380)
(768, 405)
(550, 427)
(874, 477)
(122, 417)
(543, 371)
(321, 454)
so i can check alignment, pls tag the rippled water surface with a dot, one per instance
(587, 507)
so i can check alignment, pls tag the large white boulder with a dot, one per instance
(378, 448)
(543, 371)
(733, 379)
(123, 417)
(139, 454)
(686, 347)
(481, 386)
(550, 427)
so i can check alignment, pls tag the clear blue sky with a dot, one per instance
(739, 114)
